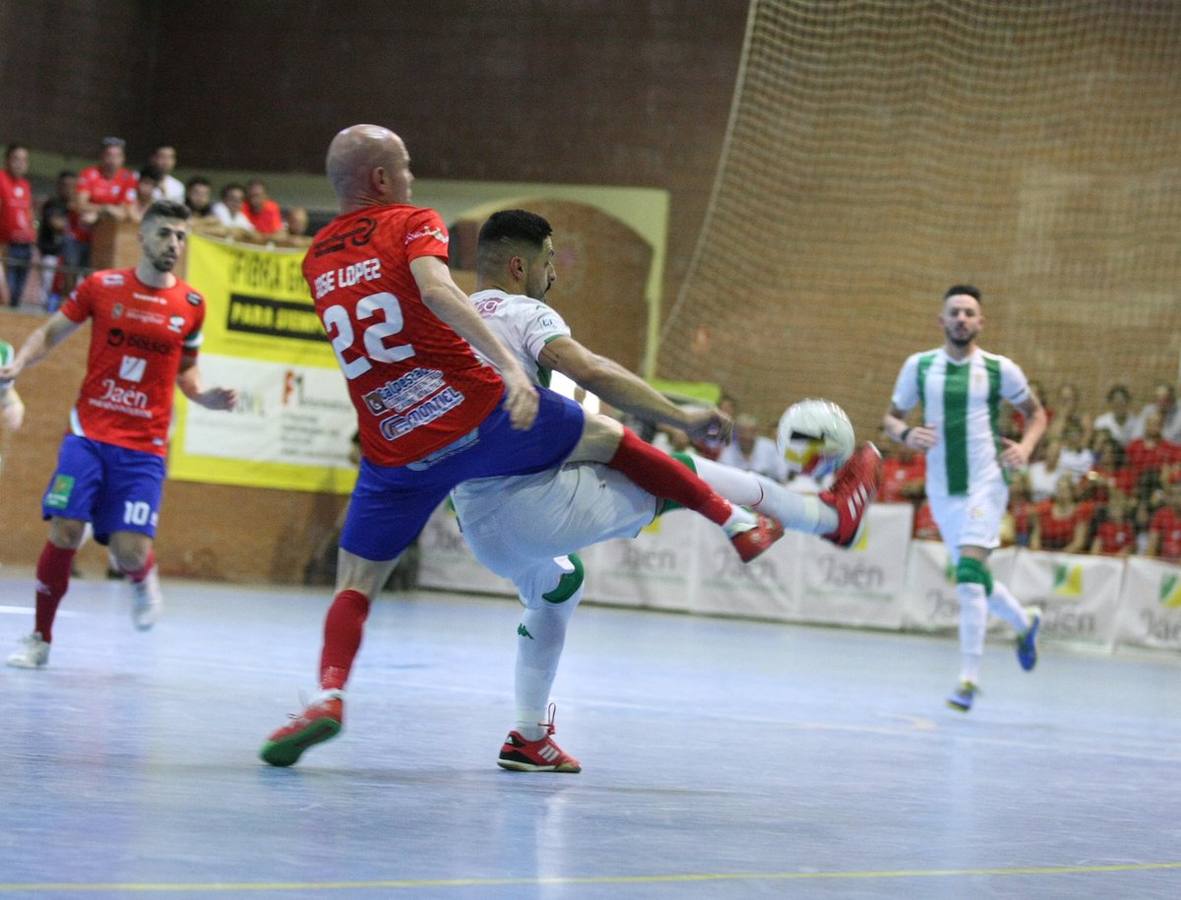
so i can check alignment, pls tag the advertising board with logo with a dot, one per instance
(1150, 605)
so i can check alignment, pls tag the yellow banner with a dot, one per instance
(293, 427)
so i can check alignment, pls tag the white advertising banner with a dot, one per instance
(658, 569)
(929, 600)
(766, 587)
(862, 585)
(1079, 595)
(1150, 607)
(445, 561)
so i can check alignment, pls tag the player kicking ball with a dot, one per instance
(528, 528)
(145, 331)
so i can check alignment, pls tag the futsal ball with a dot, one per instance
(815, 437)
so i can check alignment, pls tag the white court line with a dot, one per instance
(28, 610)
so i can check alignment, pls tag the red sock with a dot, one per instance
(662, 476)
(53, 579)
(141, 573)
(342, 637)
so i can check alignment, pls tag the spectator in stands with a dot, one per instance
(229, 210)
(1061, 523)
(1116, 534)
(1164, 404)
(261, 210)
(904, 472)
(1045, 472)
(1118, 418)
(297, 221)
(925, 528)
(1108, 474)
(106, 189)
(1066, 412)
(163, 160)
(199, 197)
(751, 451)
(1017, 523)
(1152, 451)
(52, 234)
(1164, 531)
(16, 224)
(149, 181)
(1075, 457)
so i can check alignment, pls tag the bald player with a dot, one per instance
(430, 413)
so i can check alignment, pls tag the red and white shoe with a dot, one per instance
(856, 485)
(520, 755)
(757, 539)
(322, 720)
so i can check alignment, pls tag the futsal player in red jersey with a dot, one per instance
(145, 331)
(430, 413)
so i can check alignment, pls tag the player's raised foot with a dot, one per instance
(961, 698)
(146, 600)
(320, 721)
(33, 653)
(756, 539)
(852, 491)
(543, 755)
(1027, 642)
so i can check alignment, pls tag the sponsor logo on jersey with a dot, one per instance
(132, 368)
(431, 231)
(117, 311)
(176, 323)
(58, 496)
(403, 392)
(116, 337)
(122, 399)
(146, 316)
(194, 298)
(111, 279)
(358, 235)
(439, 405)
(149, 298)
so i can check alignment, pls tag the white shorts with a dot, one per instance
(522, 527)
(973, 520)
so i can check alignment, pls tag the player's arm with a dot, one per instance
(917, 437)
(38, 344)
(443, 297)
(12, 409)
(1017, 453)
(188, 379)
(625, 390)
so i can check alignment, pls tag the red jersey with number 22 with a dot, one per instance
(137, 339)
(417, 385)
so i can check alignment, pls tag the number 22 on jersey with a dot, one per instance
(373, 336)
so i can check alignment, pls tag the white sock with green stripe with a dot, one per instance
(1004, 605)
(540, 639)
(799, 512)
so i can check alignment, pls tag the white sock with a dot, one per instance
(799, 512)
(973, 623)
(1003, 605)
(740, 520)
(539, 650)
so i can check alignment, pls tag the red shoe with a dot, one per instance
(756, 540)
(321, 721)
(542, 755)
(855, 486)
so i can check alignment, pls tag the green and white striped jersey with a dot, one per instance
(961, 401)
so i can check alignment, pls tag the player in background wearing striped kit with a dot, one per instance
(959, 388)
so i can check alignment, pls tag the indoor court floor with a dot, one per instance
(720, 759)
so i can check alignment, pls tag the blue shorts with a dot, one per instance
(113, 488)
(391, 504)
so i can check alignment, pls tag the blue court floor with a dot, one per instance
(721, 759)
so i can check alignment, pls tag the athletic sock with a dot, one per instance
(540, 639)
(1004, 605)
(973, 623)
(138, 575)
(662, 476)
(342, 638)
(53, 579)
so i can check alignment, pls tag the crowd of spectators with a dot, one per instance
(52, 236)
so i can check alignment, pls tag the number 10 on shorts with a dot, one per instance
(136, 512)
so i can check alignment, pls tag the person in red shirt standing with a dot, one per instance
(16, 224)
(1116, 534)
(1061, 523)
(144, 335)
(430, 413)
(1164, 531)
(263, 212)
(106, 189)
(1152, 450)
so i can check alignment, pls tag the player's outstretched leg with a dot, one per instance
(541, 635)
(973, 584)
(53, 580)
(323, 718)
(1025, 621)
(855, 486)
